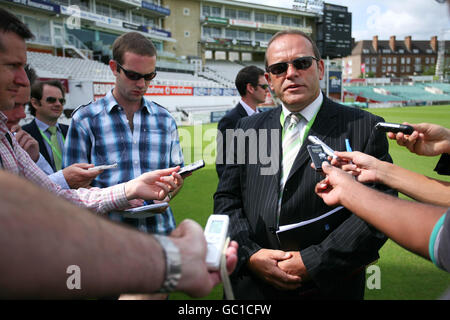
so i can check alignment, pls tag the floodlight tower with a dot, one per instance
(440, 63)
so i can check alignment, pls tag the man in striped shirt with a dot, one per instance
(126, 129)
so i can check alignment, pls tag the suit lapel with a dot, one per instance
(323, 125)
(272, 125)
(241, 111)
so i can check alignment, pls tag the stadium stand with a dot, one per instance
(419, 92)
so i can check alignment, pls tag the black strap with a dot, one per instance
(9, 139)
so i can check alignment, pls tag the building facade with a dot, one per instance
(212, 29)
(393, 58)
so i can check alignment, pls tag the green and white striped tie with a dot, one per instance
(291, 146)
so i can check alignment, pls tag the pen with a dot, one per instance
(347, 145)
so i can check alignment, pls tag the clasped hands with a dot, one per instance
(282, 269)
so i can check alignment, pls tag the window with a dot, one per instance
(408, 60)
(367, 60)
(186, 11)
(231, 33)
(230, 13)
(296, 22)
(402, 69)
(118, 13)
(259, 17)
(432, 60)
(271, 18)
(212, 32)
(374, 60)
(402, 60)
(417, 60)
(103, 9)
(187, 34)
(40, 29)
(206, 11)
(401, 51)
(383, 60)
(216, 11)
(415, 50)
(262, 36)
(243, 35)
(285, 21)
(243, 15)
(394, 60)
(373, 69)
(389, 60)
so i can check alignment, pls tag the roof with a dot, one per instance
(422, 47)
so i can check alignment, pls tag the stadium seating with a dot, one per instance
(414, 92)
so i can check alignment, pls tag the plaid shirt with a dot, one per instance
(16, 160)
(100, 134)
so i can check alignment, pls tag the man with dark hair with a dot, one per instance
(324, 256)
(125, 128)
(47, 102)
(253, 88)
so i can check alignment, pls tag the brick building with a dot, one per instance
(392, 58)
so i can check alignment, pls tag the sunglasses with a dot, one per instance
(301, 63)
(53, 100)
(132, 75)
(264, 86)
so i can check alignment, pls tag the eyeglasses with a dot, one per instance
(263, 86)
(301, 63)
(132, 75)
(53, 100)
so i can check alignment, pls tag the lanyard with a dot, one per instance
(54, 148)
(307, 128)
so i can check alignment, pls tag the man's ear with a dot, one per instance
(113, 67)
(35, 103)
(250, 89)
(269, 82)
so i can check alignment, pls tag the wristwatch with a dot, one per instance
(173, 263)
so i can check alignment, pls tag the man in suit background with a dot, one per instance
(333, 267)
(47, 102)
(253, 88)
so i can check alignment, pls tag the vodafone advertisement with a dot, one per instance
(101, 88)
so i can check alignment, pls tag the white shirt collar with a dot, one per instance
(248, 109)
(308, 112)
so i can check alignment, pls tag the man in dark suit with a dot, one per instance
(253, 88)
(259, 202)
(47, 102)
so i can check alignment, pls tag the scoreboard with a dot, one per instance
(334, 31)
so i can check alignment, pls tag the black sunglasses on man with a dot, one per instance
(132, 75)
(301, 63)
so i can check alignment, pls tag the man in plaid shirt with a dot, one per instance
(126, 129)
(150, 185)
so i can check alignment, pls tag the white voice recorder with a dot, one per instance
(216, 232)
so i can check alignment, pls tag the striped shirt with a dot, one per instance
(100, 134)
(16, 160)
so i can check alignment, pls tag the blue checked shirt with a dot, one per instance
(99, 133)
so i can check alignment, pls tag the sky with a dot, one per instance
(420, 19)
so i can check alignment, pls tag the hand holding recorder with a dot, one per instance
(427, 139)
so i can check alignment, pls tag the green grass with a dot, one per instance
(404, 275)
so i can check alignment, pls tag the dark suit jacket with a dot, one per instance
(228, 121)
(33, 130)
(250, 199)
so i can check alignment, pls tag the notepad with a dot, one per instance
(144, 211)
(303, 234)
